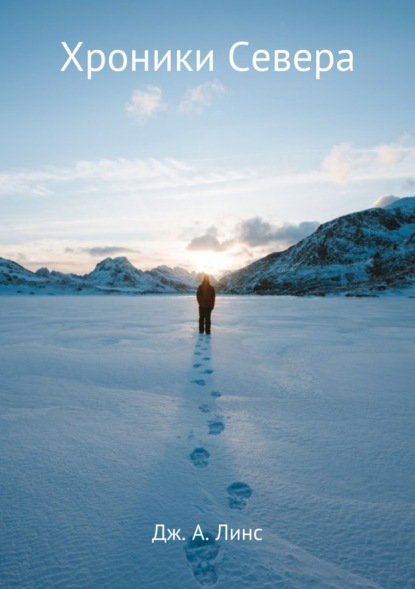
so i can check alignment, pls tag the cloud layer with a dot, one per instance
(395, 161)
(255, 233)
(346, 163)
(106, 250)
(146, 202)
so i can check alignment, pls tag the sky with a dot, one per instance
(208, 170)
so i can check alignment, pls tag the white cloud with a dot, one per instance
(96, 178)
(207, 242)
(257, 232)
(145, 103)
(385, 161)
(101, 251)
(254, 232)
(384, 201)
(338, 163)
(200, 97)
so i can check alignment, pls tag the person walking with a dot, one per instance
(206, 299)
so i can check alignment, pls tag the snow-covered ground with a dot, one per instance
(116, 416)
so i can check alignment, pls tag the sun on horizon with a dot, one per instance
(210, 262)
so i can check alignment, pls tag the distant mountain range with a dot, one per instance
(364, 253)
(111, 276)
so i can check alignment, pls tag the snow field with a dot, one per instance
(296, 417)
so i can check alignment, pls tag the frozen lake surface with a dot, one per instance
(295, 417)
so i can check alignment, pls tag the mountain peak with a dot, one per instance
(364, 252)
(111, 262)
(112, 275)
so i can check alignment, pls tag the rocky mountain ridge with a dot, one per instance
(367, 252)
(112, 275)
(363, 253)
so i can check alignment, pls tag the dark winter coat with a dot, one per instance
(206, 295)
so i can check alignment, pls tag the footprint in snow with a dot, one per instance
(197, 353)
(239, 493)
(206, 358)
(200, 457)
(202, 555)
(200, 381)
(216, 427)
(216, 394)
(208, 371)
(197, 365)
(204, 408)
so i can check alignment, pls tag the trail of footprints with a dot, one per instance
(202, 554)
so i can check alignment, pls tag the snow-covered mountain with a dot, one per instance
(120, 273)
(13, 274)
(112, 275)
(361, 253)
(177, 278)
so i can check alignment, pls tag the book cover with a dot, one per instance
(207, 283)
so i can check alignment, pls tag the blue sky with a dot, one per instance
(208, 170)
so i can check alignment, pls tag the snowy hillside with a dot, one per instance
(176, 278)
(365, 252)
(14, 275)
(120, 273)
(112, 275)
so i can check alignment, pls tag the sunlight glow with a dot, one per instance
(212, 263)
